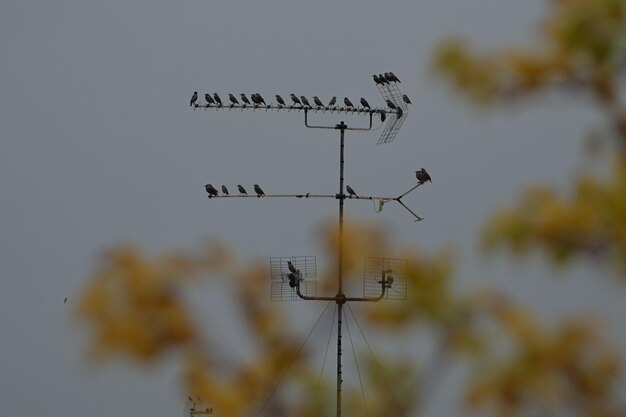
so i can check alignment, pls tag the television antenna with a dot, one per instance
(383, 277)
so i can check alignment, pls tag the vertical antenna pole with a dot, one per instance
(341, 298)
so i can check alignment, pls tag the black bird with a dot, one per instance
(244, 98)
(295, 99)
(209, 99)
(383, 116)
(241, 189)
(224, 190)
(382, 79)
(422, 176)
(194, 98)
(233, 99)
(258, 190)
(317, 101)
(391, 105)
(350, 191)
(347, 102)
(394, 78)
(332, 101)
(217, 98)
(406, 99)
(280, 100)
(291, 267)
(255, 99)
(376, 79)
(388, 77)
(258, 96)
(364, 103)
(305, 101)
(210, 190)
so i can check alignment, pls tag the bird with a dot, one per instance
(224, 190)
(280, 100)
(209, 99)
(347, 102)
(255, 99)
(233, 99)
(391, 105)
(217, 98)
(194, 97)
(388, 77)
(295, 99)
(241, 189)
(406, 99)
(305, 101)
(393, 77)
(383, 116)
(317, 101)
(350, 191)
(210, 190)
(376, 79)
(364, 103)
(422, 176)
(244, 98)
(65, 300)
(382, 79)
(291, 267)
(258, 96)
(332, 101)
(258, 190)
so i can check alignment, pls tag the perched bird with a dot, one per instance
(244, 98)
(317, 101)
(258, 190)
(347, 102)
(217, 98)
(291, 267)
(210, 190)
(194, 98)
(209, 99)
(255, 99)
(305, 102)
(406, 99)
(258, 96)
(295, 99)
(332, 101)
(241, 189)
(382, 79)
(233, 99)
(280, 100)
(383, 116)
(224, 190)
(393, 77)
(350, 191)
(364, 103)
(389, 77)
(422, 176)
(376, 79)
(391, 105)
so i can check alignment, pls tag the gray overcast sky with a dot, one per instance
(98, 146)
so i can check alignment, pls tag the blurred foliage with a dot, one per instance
(591, 222)
(581, 50)
(518, 365)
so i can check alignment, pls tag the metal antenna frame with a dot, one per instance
(389, 92)
(340, 298)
